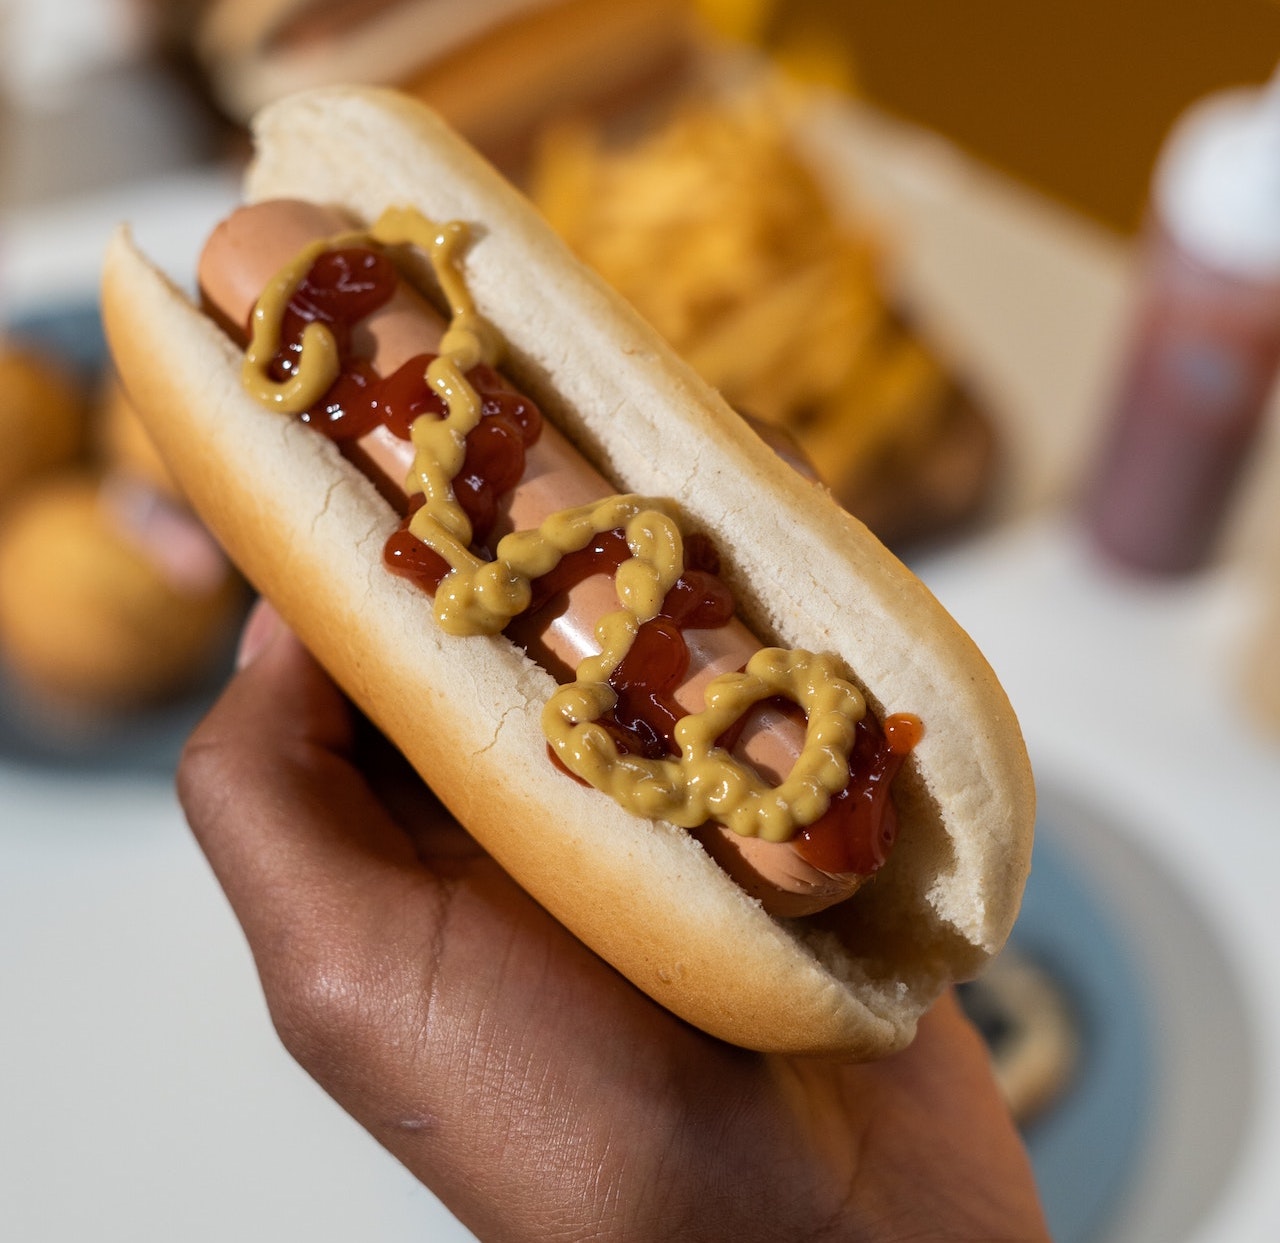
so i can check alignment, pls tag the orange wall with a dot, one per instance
(1073, 96)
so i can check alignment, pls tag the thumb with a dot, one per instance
(273, 795)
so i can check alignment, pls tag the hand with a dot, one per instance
(528, 1084)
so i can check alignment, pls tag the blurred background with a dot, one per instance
(1007, 275)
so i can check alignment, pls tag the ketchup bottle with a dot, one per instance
(1206, 342)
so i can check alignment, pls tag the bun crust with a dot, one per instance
(307, 529)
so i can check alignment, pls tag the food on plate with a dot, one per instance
(110, 596)
(603, 545)
(113, 598)
(1033, 1029)
(716, 224)
(42, 416)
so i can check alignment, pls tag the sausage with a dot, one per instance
(246, 251)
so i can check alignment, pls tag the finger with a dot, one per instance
(275, 800)
(408, 799)
(437, 837)
(938, 1101)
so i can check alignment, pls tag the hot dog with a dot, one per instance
(242, 256)
(308, 526)
(496, 69)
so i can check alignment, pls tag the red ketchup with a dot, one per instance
(343, 287)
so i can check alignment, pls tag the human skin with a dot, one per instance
(532, 1088)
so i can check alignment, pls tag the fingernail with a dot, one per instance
(263, 626)
(169, 535)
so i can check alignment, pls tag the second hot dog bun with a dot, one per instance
(308, 529)
(496, 69)
(259, 50)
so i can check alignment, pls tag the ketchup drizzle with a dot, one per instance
(856, 832)
(345, 286)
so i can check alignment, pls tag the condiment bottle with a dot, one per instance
(1206, 341)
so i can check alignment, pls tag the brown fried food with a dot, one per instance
(42, 417)
(103, 606)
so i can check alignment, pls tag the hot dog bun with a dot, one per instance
(308, 530)
(495, 69)
(259, 50)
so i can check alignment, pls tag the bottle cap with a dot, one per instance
(1217, 184)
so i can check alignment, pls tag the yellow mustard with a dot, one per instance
(318, 363)
(705, 782)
